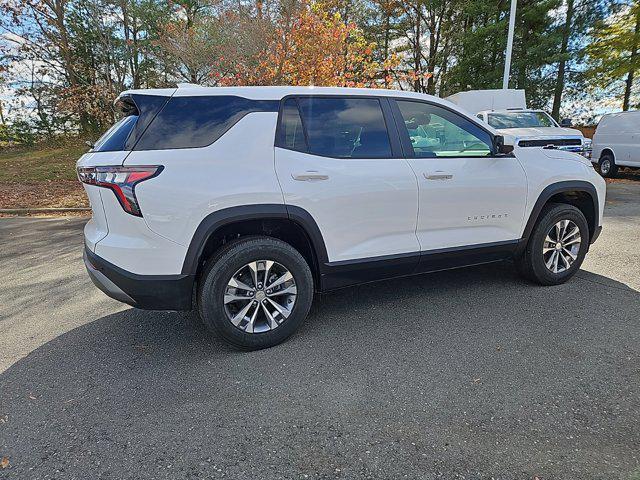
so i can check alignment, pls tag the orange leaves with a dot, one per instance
(314, 48)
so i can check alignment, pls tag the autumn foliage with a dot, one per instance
(314, 48)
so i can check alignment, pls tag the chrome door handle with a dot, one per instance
(309, 175)
(438, 176)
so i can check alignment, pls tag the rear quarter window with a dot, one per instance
(194, 122)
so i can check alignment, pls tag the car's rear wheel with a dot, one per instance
(255, 292)
(557, 245)
(607, 165)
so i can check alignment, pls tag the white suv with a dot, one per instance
(243, 202)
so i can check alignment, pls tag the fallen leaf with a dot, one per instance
(4, 463)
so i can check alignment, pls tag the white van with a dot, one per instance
(616, 142)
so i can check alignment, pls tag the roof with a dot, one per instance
(626, 112)
(277, 92)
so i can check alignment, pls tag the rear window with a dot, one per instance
(115, 138)
(193, 122)
(345, 127)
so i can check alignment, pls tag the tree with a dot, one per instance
(613, 54)
(309, 47)
(579, 17)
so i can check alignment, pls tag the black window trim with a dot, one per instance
(387, 115)
(131, 140)
(404, 134)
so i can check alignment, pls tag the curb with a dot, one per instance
(24, 211)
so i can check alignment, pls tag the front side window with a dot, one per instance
(520, 120)
(437, 132)
(345, 127)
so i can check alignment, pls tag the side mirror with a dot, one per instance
(499, 147)
(566, 122)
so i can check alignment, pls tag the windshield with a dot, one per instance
(520, 120)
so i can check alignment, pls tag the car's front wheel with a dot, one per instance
(557, 245)
(255, 292)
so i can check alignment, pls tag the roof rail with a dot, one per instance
(188, 85)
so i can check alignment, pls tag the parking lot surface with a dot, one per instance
(471, 373)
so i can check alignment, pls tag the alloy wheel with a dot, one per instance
(561, 246)
(260, 296)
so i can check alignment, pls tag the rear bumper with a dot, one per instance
(149, 292)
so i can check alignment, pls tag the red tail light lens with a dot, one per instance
(122, 180)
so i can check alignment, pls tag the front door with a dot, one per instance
(467, 195)
(347, 172)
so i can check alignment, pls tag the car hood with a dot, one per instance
(541, 132)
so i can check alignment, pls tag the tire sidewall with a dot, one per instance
(211, 293)
(607, 158)
(553, 216)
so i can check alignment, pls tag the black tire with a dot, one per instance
(225, 263)
(607, 165)
(531, 264)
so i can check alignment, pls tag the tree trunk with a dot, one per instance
(632, 63)
(566, 32)
(417, 54)
(387, 34)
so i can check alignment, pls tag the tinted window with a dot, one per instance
(191, 122)
(115, 138)
(345, 127)
(437, 132)
(291, 132)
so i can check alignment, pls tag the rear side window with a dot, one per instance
(192, 122)
(345, 127)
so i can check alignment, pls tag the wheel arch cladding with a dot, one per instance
(580, 194)
(291, 224)
(609, 151)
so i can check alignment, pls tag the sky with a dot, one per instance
(21, 106)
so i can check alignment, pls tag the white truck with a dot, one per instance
(506, 110)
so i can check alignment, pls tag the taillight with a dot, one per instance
(122, 180)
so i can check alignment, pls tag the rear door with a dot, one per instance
(468, 196)
(337, 159)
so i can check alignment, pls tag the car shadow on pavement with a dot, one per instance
(463, 371)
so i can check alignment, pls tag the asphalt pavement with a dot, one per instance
(470, 374)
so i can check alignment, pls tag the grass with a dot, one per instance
(40, 163)
(42, 176)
